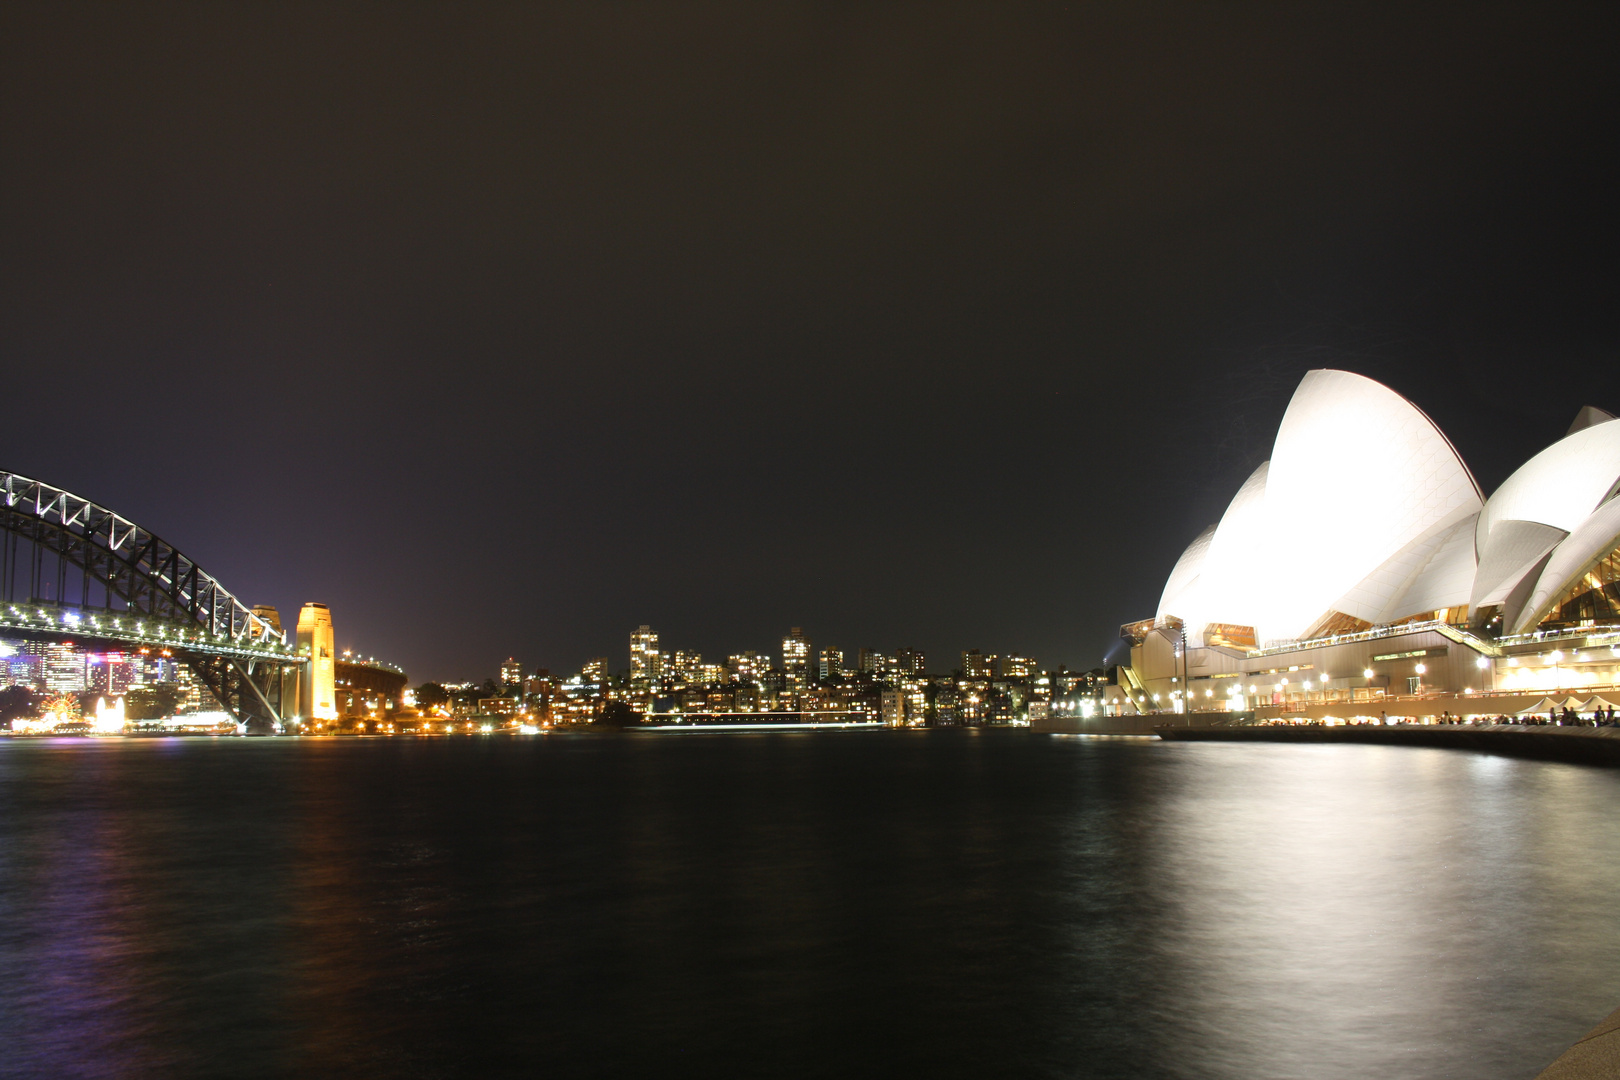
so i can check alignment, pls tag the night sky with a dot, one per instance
(503, 329)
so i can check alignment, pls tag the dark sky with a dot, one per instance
(503, 329)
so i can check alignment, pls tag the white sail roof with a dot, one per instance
(1592, 539)
(1432, 572)
(1515, 549)
(1227, 590)
(1344, 434)
(1559, 486)
(1542, 502)
(1179, 591)
(1365, 508)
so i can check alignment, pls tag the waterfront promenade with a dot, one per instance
(1595, 1057)
(1585, 745)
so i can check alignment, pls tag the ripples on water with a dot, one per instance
(932, 904)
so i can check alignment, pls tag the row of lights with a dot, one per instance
(1421, 669)
(70, 618)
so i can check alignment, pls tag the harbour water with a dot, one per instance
(933, 904)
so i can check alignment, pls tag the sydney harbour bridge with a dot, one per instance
(74, 572)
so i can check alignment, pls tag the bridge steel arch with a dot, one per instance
(64, 550)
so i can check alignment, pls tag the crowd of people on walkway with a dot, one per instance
(1560, 717)
(1565, 717)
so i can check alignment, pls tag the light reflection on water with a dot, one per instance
(806, 905)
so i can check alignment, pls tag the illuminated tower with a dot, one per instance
(795, 650)
(646, 662)
(511, 673)
(317, 696)
(796, 662)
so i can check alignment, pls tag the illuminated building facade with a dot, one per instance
(646, 662)
(686, 667)
(109, 673)
(511, 672)
(796, 663)
(1015, 667)
(747, 666)
(63, 667)
(1426, 597)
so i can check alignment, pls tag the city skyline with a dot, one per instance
(647, 660)
(663, 687)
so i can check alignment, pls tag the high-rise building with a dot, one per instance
(511, 673)
(912, 663)
(1017, 667)
(748, 666)
(796, 662)
(646, 662)
(795, 650)
(108, 673)
(595, 672)
(64, 668)
(976, 665)
(869, 661)
(831, 665)
(194, 695)
(687, 667)
(151, 670)
(317, 689)
(25, 669)
(17, 668)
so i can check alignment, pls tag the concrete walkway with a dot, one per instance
(1595, 1057)
(1589, 746)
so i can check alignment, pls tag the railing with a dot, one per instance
(1487, 647)
(1296, 704)
(1539, 636)
(141, 630)
(1375, 634)
(368, 662)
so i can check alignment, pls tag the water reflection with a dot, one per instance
(1383, 912)
(798, 906)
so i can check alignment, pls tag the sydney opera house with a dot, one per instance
(1362, 572)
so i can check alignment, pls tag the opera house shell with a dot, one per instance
(1365, 520)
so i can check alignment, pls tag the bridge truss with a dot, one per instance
(71, 570)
